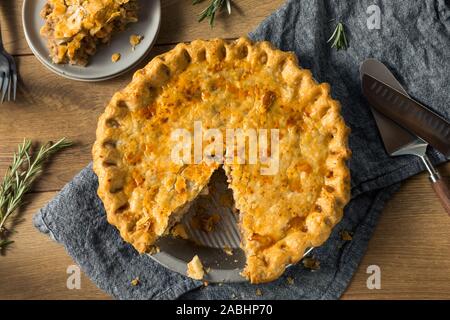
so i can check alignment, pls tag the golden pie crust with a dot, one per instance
(226, 84)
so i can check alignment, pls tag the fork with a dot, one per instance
(8, 73)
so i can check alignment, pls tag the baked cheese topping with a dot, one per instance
(226, 85)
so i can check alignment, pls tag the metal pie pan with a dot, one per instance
(175, 253)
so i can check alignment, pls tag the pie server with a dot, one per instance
(406, 126)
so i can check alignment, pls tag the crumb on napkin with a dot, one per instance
(135, 282)
(311, 263)
(346, 235)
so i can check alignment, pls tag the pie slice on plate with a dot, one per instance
(74, 28)
(286, 203)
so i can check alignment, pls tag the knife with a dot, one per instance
(389, 102)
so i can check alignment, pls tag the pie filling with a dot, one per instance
(74, 28)
(228, 86)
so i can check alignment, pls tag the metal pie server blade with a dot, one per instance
(408, 113)
(397, 140)
(394, 137)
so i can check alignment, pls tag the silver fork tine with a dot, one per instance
(1, 82)
(8, 73)
(5, 85)
(12, 65)
(14, 85)
(9, 87)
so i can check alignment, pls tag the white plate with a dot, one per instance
(100, 66)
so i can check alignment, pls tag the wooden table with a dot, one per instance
(411, 243)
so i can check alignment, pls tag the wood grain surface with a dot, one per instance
(411, 243)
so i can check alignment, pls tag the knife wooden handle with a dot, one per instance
(443, 193)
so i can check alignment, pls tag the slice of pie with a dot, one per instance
(226, 85)
(74, 28)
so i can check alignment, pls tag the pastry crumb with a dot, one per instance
(195, 269)
(311, 263)
(226, 200)
(205, 222)
(258, 292)
(346, 235)
(205, 283)
(228, 250)
(153, 250)
(115, 57)
(135, 39)
(179, 231)
(135, 282)
(290, 280)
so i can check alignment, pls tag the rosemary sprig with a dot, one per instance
(214, 7)
(4, 243)
(338, 37)
(19, 177)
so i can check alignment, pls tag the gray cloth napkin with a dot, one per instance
(413, 41)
